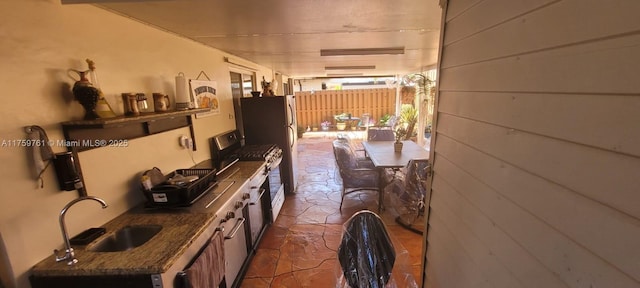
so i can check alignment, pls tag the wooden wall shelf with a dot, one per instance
(84, 135)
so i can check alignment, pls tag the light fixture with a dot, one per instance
(102, 1)
(233, 62)
(362, 51)
(344, 75)
(363, 67)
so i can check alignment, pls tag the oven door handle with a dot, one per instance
(235, 229)
(259, 196)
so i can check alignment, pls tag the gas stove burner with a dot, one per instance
(226, 149)
(256, 152)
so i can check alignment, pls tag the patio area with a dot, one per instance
(300, 248)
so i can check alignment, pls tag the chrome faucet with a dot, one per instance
(68, 254)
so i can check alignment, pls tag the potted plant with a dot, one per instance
(341, 123)
(325, 125)
(384, 120)
(409, 116)
(400, 133)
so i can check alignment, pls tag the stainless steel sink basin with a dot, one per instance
(126, 238)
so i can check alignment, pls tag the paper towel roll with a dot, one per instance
(182, 97)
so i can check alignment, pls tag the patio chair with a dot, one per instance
(406, 193)
(380, 134)
(356, 175)
(366, 252)
(358, 151)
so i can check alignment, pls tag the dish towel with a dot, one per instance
(40, 150)
(207, 270)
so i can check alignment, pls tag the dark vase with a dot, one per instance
(87, 95)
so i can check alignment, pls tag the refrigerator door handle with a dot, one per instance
(291, 115)
(292, 140)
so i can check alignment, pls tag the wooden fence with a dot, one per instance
(313, 108)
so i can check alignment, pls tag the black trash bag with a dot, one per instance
(366, 253)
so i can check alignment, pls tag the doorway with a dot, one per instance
(242, 83)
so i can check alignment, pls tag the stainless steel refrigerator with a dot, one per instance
(272, 120)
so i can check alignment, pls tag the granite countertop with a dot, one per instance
(180, 227)
(153, 257)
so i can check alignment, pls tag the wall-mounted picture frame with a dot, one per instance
(204, 95)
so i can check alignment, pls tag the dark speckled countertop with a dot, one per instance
(180, 227)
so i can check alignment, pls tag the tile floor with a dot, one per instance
(300, 248)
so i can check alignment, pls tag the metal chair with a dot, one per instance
(357, 149)
(356, 175)
(380, 134)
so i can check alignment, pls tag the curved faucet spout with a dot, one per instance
(68, 253)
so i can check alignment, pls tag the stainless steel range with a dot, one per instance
(226, 149)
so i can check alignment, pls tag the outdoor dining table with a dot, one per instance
(350, 120)
(383, 155)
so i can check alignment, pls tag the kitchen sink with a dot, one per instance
(126, 238)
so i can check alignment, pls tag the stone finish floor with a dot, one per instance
(300, 248)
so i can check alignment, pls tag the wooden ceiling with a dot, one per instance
(287, 35)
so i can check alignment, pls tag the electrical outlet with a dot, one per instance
(184, 142)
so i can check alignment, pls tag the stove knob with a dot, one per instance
(239, 204)
(230, 215)
(246, 196)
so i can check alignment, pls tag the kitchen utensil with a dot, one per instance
(141, 101)
(154, 176)
(130, 103)
(161, 102)
(180, 179)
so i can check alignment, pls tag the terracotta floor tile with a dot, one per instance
(285, 263)
(256, 283)
(284, 221)
(300, 248)
(322, 276)
(273, 237)
(264, 264)
(285, 281)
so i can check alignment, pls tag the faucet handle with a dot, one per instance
(68, 255)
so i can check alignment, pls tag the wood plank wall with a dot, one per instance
(315, 107)
(537, 146)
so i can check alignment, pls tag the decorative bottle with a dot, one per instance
(87, 95)
(103, 109)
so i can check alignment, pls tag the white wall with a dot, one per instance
(537, 146)
(41, 39)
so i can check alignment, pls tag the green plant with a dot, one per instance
(424, 89)
(419, 81)
(340, 118)
(384, 120)
(408, 117)
(400, 132)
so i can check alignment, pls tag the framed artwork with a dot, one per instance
(204, 95)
